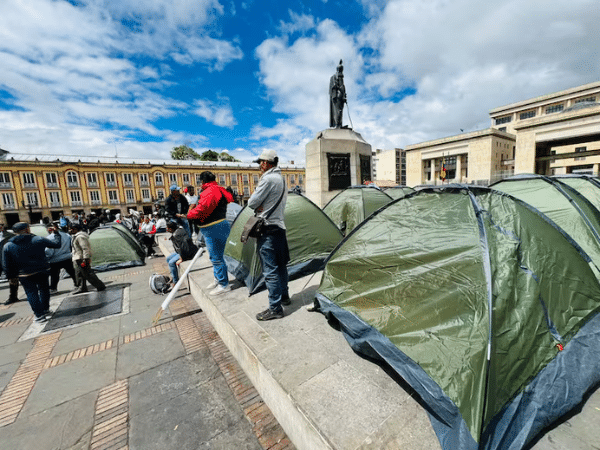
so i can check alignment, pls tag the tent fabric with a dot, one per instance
(564, 205)
(586, 185)
(398, 191)
(114, 247)
(469, 294)
(311, 237)
(353, 205)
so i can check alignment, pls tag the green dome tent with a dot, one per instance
(480, 303)
(114, 247)
(398, 191)
(353, 205)
(565, 206)
(586, 185)
(311, 237)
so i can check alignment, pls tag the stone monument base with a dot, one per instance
(336, 159)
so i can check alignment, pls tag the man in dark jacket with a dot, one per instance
(184, 247)
(176, 208)
(24, 258)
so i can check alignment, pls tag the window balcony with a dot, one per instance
(113, 201)
(146, 199)
(51, 185)
(111, 183)
(5, 186)
(144, 183)
(93, 184)
(96, 202)
(128, 183)
(72, 184)
(55, 204)
(159, 183)
(29, 185)
(76, 203)
(9, 206)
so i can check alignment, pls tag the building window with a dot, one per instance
(255, 179)
(160, 193)
(198, 180)
(501, 120)
(234, 179)
(127, 179)
(527, 115)
(222, 181)
(586, 99)
(580, 150)
(144, 179)
(186, 179)
(28, 180)
(72, 179)
(32, 199)
(300, 180)
(292, 180)
(554, 108)
(130, 195)
(51, 180)
(111, 180)
(158, 179)
(54, 198)
(8, 200)
(95, 198)
(246, 191)
(172, 178)
(92, 179)
(5, 180)
(245, 178)
(75, 198)
(113, 197)
(146, 195)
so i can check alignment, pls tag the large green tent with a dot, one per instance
(565, 206)
(398, 191)
(311, 237)
(353, 205)
(114, 247)
(485, 307)
(586, 185)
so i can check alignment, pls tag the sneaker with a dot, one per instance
(213, 285)
(79, 291)
(47, 312)
(220, 289)
(269, 314)
(41, 319)
(11, 300)
(285, 301)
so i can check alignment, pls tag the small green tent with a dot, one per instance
(114, 247)
(565, 206)
(398, 191)
(586, 185)
(353, 205)
(485, 307)
(311, 237)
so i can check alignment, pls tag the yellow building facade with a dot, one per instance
(32, 188)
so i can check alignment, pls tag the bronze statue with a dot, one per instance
(337, 97)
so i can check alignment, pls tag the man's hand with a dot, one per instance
(179, 261)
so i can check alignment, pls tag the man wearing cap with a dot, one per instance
(268, 200)
(176, 208)
(23, 257)
(82, 260)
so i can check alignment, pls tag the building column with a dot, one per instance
(459, 168)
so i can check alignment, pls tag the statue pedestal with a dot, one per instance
(335, 159)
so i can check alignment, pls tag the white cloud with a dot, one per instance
(219, 114)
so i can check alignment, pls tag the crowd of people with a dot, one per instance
(36, 262)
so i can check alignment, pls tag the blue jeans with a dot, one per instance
(274, 256)
(38, 292)
(171, 260)
(215, 237)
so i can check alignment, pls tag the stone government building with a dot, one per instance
(552, 134)
(33, 187)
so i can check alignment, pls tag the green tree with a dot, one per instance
(184, 152)
(224, 156)
(209, 155)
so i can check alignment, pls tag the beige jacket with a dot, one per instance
(81, 246)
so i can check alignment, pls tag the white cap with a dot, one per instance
(266, 155)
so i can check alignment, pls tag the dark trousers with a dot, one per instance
(85, 274)
(67, 264)
(38, 292)
(148, 242)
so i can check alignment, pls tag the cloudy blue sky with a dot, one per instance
(99, 77)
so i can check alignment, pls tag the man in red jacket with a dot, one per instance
(211, 213)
